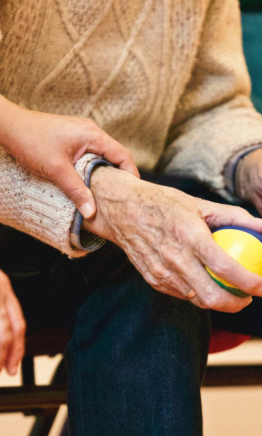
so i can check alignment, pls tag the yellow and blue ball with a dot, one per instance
(245, 246)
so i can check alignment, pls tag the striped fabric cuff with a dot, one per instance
(82, 239)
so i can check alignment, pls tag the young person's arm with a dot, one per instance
(48, 145)
(43, 158)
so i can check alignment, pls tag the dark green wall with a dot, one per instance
(252, 42)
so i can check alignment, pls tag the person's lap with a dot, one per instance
(136, 358)
(136, 361)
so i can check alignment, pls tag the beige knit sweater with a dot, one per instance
(166, 78)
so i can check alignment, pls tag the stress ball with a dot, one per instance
(245, 246)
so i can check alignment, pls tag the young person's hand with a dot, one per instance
(166, 235)
(12, 327)
(48, 145)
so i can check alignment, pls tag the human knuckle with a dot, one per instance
(154, 284)
(4, 320)
(167, 257)
(220, 267)
(180, 263)
(19, 352)
(203, 248)
(211, 300)
(77, 193)
(157, 287)
(171, 281)
(172, 258)
(199, 303)
(203, 305)
(174, 289)
(149, 278)
(196, 234)
(92, 131)
(20, 328)
(157, 271)
(5, 339)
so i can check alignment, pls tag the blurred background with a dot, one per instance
(252, 43)
(230, 411)
(235, 411)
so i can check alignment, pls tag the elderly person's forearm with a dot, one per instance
(166, 235)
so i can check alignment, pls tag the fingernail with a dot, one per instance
(86, 210)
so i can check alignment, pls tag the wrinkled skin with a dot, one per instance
(166, 235)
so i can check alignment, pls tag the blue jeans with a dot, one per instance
(136, 361)
(136, 357)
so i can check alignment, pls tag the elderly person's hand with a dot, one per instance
(166, 235)
(12, 327)
(48, 145)
(249, 179)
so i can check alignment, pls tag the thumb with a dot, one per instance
(74, 188)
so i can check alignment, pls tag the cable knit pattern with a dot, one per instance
(215, 117)
(166, 78)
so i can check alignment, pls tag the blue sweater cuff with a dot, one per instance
(231, 166)
(82, 239)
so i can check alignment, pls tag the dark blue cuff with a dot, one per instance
(231, 166)
(82, 239)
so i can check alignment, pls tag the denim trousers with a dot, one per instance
(136, 357)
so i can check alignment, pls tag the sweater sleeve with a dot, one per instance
(215, 117)
(37, 207)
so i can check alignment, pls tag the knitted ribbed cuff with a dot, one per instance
(47, 214)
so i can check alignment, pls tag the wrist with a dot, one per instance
(9, 120)
(116, 193)
(247, 174)
(110, 183)
(232, 164)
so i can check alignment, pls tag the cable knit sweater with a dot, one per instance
(166, 78)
